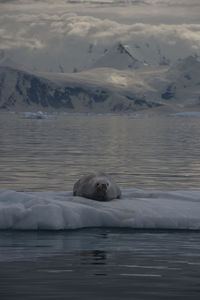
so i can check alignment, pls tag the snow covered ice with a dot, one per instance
(136, 209)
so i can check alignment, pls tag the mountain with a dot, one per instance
(100, 90)
(103, 90)
(119, 57)
(79, 55)
(184, 82)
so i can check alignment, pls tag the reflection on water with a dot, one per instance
(93, 245)
(94, 257)
(146, 153)
(127, 264)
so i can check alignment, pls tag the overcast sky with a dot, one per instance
(28, 27)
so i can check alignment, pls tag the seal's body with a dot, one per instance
(97, 186)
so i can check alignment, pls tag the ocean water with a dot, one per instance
(143, 246)
(139, 151)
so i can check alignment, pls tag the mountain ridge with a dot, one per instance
(118, 57)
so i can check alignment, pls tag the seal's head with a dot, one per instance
(101, 188)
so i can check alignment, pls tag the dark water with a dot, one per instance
(100, 264)
(160, 153)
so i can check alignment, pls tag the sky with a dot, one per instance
(61, 33)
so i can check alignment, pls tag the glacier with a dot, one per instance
(137, 209)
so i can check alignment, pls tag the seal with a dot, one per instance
(97, 186)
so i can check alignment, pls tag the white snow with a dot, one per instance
(136, 209)
(117, 79)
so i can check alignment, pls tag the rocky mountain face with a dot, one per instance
(24, 91)
(21, 89)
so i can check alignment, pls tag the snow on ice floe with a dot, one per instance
(136, 209)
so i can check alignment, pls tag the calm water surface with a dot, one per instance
(160, 153)
(146, 152)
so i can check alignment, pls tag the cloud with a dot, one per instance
(65, 27)
(10, 43)
(35, 30)
(105, 31)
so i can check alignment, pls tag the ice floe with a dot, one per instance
(136, 209)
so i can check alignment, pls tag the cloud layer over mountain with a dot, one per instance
(31, 31)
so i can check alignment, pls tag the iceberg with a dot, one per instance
(38, 115)
(136, 209)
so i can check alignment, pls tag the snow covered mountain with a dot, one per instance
(79, 92)
(98, 90)
(119, 57)
(174, 88)
(73, 57)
